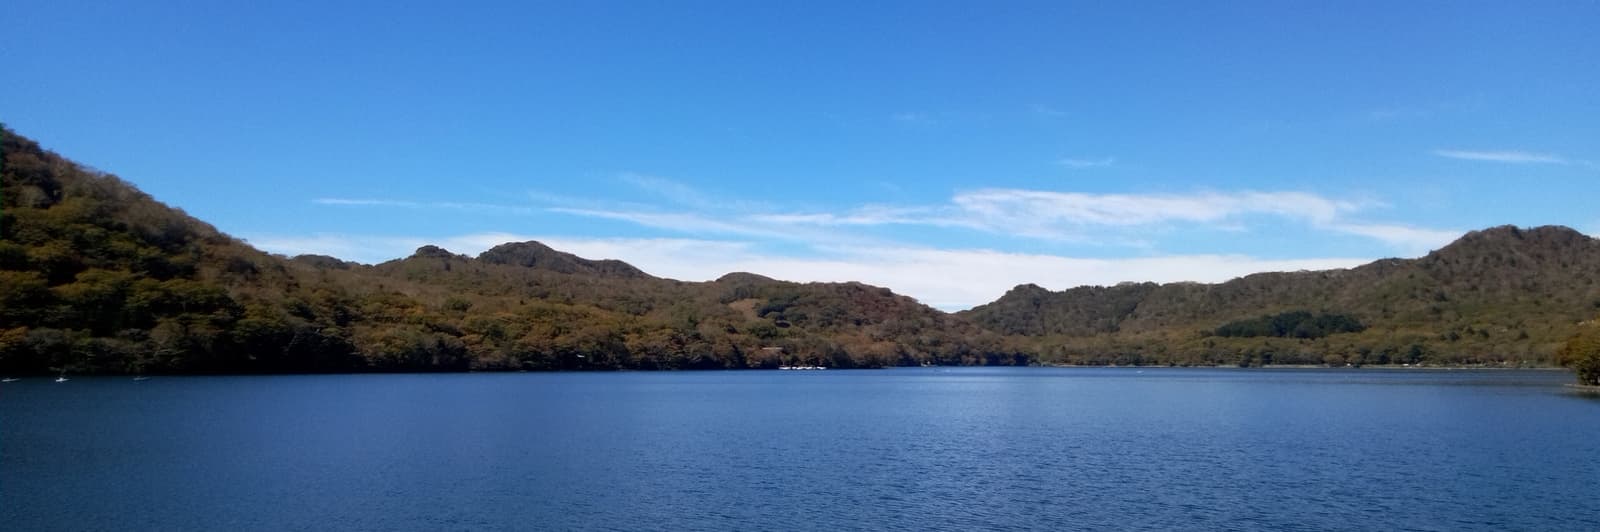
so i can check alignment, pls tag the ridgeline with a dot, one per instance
(98, 277)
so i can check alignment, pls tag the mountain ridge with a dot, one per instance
(1533, 284)
(99, 277)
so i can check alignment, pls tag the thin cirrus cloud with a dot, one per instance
(1080, 163)
(1412, 240)
(367, 202)
(1021, 207)
(1000, 209)
(1068, 217)
(1071, 216)
(1503, 156)
(915, 118)
(1124, 219)
(675, 221)
(487, 208)
(671, 190)
(868, 215)
(1054, 214)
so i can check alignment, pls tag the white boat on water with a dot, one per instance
(10, 379)
(802, 367)
(62, 379)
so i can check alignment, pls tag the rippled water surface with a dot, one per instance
(902, 449)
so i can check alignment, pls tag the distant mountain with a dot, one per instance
(1502, 294)
(536, 255)
(96, 276)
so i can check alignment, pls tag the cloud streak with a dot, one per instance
(870, 215)
(1065, 217)
(679, 222)
(1087, 163)
(1505, 156)
(1018, 207)
(366, 202)
(1412, 240)
(914, 118)
(672, 191)
(440, 205)
(1068, 217)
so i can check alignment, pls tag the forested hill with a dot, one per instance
(1498, 295)
(96, 276)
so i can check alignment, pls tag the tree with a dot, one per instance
(1582, 354)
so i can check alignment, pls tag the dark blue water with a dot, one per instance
(907, 449)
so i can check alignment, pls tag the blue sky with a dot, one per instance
(948, 150)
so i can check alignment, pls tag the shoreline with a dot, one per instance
(1388, 367)
(1321, 366)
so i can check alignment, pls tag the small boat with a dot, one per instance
(141, 378)
(10, 379)
(61, 379)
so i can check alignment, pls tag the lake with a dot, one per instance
(899, 449)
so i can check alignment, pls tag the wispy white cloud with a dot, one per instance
(1084, 218)
(1048, 111)
(681, 194)
(951, 279)
(673, 191)
(1048, 214)
(1421, 110)
(1387, 114)
(674, 221)
(1087, 163)
(871, 215)
(1045, 213)
(1070, 217)
(366, 202)
(488, 208)
(1411, 240)
(1503, 156)
(914, 118)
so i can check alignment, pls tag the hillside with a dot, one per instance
(1498, 295)
(96, 276)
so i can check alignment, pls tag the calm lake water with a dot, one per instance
(901, 449)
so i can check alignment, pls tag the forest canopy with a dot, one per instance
(1296, 324)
